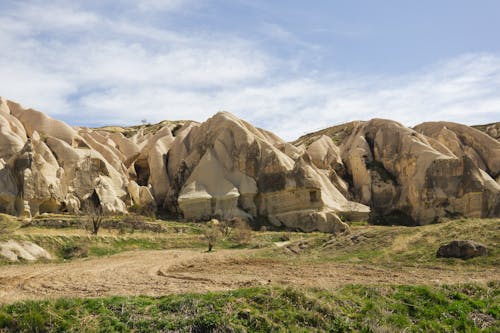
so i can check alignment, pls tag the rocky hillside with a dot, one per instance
(492, 129)
(225, 167)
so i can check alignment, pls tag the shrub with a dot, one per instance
(70, 251)
(242, 233)
(146, 210)
(7, 226)
(212, 233)
(94, 216)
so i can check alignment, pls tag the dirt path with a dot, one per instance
(177, 271)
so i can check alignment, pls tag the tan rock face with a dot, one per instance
(225, 167)
(407, 177)
(492, 130)
(49, 167)
(463, 140)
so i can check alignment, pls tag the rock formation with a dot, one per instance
(492, 129)
(52, 168)
(410, 178)
(225, 167)
(15, 251)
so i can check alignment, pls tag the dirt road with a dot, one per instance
(178, 271)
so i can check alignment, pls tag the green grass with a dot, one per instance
(402, 246)
(75, 246)
(8, 225)
(392, 246)
(63, 237)
(464, 308)
(68, 245)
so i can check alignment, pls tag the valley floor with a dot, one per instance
(156, 273)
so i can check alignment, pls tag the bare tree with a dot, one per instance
(94, 216)
(236, 229)
(91, 208)
(212, 233)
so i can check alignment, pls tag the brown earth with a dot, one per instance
(158, 273)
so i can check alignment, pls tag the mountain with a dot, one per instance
(225, 167)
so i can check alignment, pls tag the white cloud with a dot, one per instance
(164, 5)
(98, 70)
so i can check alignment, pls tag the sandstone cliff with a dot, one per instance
(225, 167)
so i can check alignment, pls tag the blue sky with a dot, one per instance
(287, 66)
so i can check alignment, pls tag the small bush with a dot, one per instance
(147, 210)
(7, 226)
(242, 233)
(285, 237)
(70, 251)
(133, 222)
(212, 233)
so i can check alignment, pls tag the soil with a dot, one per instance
(156, 273)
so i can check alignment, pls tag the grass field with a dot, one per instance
(274, 281)
(400, 246)
(461, 308)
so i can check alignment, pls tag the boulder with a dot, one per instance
(463, 249)
(141, 195)
(14, 251)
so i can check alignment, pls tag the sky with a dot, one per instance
(289, 66)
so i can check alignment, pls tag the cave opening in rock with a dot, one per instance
(142, 170)
(313, 196)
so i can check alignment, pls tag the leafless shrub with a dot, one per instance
(241, 231)
(94, 216)
(212, 233)
(235, 229)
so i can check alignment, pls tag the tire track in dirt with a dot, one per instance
(156, 273)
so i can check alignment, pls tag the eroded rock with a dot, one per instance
(225, 167)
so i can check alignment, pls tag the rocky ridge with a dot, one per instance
(225, 167)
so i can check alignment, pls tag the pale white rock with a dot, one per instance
(14, 251)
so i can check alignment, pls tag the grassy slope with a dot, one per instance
(377, 245)
(63, 238)
(337, 133)
(361, 308)
(146, 128)
(400, 246)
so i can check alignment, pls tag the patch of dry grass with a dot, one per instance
(400, 246)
